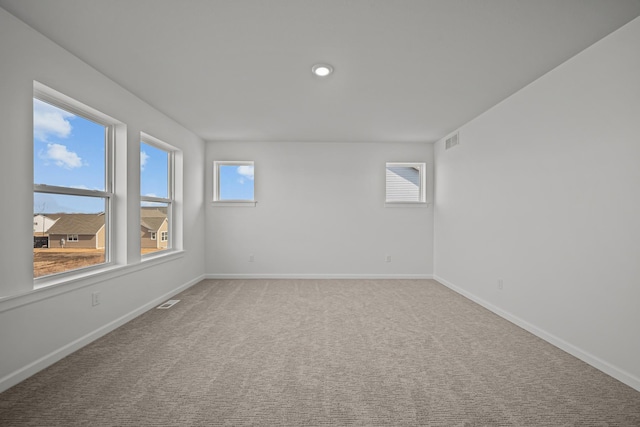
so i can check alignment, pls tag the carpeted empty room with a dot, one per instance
(320, 352)
(363, 213)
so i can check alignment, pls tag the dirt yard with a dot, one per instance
(56, 260)
(50, 261)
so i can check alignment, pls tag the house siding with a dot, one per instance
(145, 237)
(403, 184)
(85, 241)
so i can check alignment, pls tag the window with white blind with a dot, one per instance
(405, 183)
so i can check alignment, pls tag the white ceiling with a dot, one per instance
(405, 70)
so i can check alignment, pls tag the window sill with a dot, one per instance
(71, 277)
(406, 204)
(235, 203)
(48, 287)
(165, 255)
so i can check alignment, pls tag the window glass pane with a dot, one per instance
(154, 227)
(403, 184)
(236, 182)
(68, 150)
(154, 171)
(68, 232)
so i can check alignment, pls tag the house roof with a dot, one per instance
(52, 216)
(78, 224)
(152, 223)
(153, 211)
(152, 217)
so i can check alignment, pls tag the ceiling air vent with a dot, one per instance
(452, 141)
(168, 304)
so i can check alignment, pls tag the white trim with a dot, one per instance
(166, 254)
(236, 203)
(216, 183)
(70, 191)
(152, 199)
(406, 205)
(158, 143)
(170, 200)
(317, 276)
(422, 190)
(59, 100)
(89, 277)
(604, 366)
(56, 355)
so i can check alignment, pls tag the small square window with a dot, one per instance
(233, 182)
(405, 183)
(152, 235)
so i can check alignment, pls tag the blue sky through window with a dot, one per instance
(68, 151)
(154, 171)
(236, 182)
(59, 203)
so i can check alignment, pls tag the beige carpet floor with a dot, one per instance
(320, 353)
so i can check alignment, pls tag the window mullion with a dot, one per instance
(154, 199)
(71, 191)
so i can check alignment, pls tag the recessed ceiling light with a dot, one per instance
(322, 70)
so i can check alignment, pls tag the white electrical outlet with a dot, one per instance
(95, 298)
(387, 258)
(500, 284)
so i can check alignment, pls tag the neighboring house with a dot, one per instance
(41, 225)
(403, 184)
(154, 228)
(78, 231)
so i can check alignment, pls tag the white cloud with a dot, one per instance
(80, 187)
(49, 120)
(246, 171)
(151, 195)
(63, 157)
(143, 159)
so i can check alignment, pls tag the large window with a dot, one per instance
(156, 194)
(405, 183)
(72, 184)
(233, 182)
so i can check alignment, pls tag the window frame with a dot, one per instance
(170, 200)
(216, 184)
(72, 238)
(70, 105)
(164, 236)
(422, 190)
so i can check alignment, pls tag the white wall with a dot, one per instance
(38, 327)
(543, 193)
(320, 213)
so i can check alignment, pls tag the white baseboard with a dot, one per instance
(318, 276)
(56, 355)
(609, 369)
